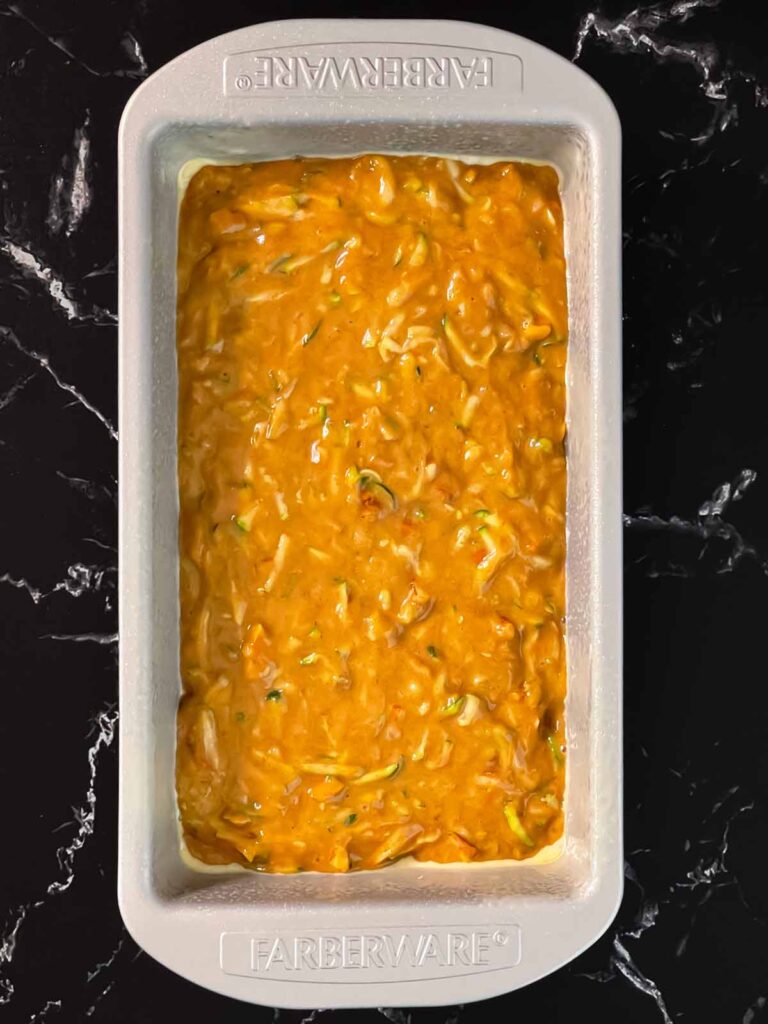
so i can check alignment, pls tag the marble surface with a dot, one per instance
(690, 80)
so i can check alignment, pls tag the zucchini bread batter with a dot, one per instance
(372, 512)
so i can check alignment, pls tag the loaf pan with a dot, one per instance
(410, 934)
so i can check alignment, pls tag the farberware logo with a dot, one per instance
(433, 69)
(385, 954)
(332, 74)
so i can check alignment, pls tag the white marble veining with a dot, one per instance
(58, 584)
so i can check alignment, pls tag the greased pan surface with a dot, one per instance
(412, 934)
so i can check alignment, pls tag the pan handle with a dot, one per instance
(387, 70)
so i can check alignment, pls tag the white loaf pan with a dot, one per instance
(412, 934)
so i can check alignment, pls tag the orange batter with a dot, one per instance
(372, 484)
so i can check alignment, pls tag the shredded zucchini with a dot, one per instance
(554, 747)
(379, 774)
(311, 334)
(245, 521)
(368, 480)
(342, 771)
(453, 705)
(516, 825)
(420, 251)
(279, 263)
(542, 443)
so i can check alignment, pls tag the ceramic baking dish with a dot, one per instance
(410, 934)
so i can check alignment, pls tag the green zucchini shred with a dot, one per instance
(366, 482)
(554, 748)
(516, 825)
(311, 334)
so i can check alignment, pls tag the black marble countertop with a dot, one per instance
(690, 80)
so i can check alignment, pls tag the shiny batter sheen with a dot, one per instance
(372, 484)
